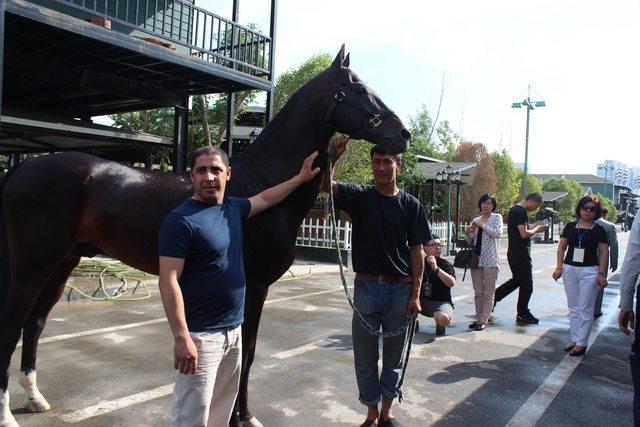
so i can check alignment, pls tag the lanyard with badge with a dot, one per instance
(426, 289)
(578, 253)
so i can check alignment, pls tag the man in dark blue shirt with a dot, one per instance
(202, 284)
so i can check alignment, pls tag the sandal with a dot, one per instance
(569, 347)
(578, 352)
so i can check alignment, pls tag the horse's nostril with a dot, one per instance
(406, 135)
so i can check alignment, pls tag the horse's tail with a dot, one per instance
(5, 274)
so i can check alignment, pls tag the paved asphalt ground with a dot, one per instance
(110, 363)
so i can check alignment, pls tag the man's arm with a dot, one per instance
(417, 267)
(630, 268)
(613, 248)
(527, 233)
(274, 195)
(337, 147)
(446, 278)
(185, 354)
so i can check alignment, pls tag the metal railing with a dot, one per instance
(205, 34)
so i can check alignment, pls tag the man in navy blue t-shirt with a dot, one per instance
(202, 284)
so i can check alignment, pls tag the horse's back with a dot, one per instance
(77, 202)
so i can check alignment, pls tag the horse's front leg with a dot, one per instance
(256, 296)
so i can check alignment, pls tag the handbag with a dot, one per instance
(466, 258)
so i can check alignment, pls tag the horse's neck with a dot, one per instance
(288, 139)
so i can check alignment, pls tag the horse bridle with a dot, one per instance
(339, 98)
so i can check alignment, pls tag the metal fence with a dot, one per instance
(205, 34)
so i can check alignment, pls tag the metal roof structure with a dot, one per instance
(55, 67)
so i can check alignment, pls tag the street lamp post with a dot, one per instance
(448, 176)
(530, 106)
(606, 169)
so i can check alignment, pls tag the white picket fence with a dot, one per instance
(317, 233)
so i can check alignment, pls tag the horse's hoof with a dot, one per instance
(252, 422)
(36, 404)
(9, 422)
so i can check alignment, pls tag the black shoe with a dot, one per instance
(527, 318)
(391, 422)
(578, 352)
(473, 325)
(597, 314)
(440, 330)
(479, 327)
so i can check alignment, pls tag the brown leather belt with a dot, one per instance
(384, 278)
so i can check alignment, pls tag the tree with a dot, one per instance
(568, 205)
(441, 147)
(484, 181)
(534, 185)
(293, 79)
(506, 177)
(606, 202)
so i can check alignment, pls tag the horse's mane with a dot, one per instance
(273, 131)
(276, 142)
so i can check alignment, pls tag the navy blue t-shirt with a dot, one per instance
(209, 239)
(384, 229)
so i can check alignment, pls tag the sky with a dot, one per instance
(580, 57)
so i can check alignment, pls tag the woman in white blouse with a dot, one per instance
(485, 230)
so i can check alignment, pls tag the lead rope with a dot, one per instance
(409, 327)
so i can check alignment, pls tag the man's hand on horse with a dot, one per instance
(306, 173)
(338, 145)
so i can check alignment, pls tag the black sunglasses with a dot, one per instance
(589, 208)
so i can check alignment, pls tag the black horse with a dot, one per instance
(58, 208)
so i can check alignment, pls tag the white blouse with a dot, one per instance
(491, 232)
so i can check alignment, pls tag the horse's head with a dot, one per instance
(356, 111)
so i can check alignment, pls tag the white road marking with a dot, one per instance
(306, 348)
(98, 331)
(113, 405)
(533, 409)
(272, 301)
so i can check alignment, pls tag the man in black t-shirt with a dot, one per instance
(438, 279)
(519, 255)
(389, 229)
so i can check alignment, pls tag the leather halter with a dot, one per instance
(339, 98)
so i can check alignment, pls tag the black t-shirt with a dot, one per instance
(517, 216)
(384, 228)
(439, 291)
(590, 239)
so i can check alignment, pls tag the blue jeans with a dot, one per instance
(380, 305)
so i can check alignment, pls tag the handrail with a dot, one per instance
(207, 35)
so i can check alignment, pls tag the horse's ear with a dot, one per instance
(345, 63)
(337, 63)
